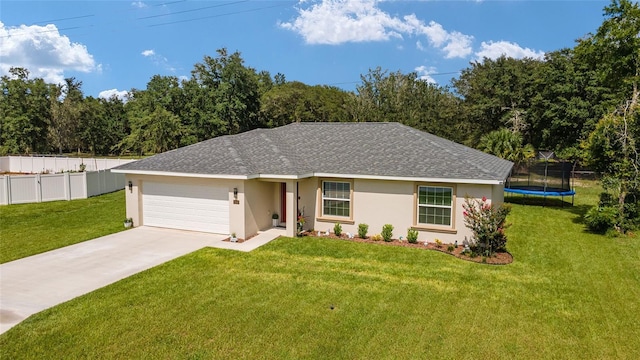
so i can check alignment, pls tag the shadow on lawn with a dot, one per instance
(540, 201)
(556, 203)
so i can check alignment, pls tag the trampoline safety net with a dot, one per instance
(545, 176)
(542, 176)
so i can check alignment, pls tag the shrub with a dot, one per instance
(387, 232)
(412, 236)
(362, 230)
(599, 219)
(376, 237)
(487, 222)
(337, 229)
(438, 243)
(450, 248)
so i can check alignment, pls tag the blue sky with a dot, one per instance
(114, 46)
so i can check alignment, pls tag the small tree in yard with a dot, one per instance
(612, 151)
(487, 222)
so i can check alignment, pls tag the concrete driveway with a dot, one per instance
(32, 284)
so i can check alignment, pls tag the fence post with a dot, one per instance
(38, 185)
(7, 189)
(86, 185)
(67, 186)
(102, 183)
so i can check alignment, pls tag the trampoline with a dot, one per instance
(544, 176)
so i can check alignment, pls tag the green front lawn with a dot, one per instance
(29, 229)
(568, 294)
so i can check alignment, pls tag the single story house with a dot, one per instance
(347, 173)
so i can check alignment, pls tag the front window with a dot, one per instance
(336, 198)
(435, 205)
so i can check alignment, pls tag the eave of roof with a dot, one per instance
(309, 175)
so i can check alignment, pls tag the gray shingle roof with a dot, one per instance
(360, 149)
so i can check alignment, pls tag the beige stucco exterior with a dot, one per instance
(374, 202)
(380, 202)
(258, 205)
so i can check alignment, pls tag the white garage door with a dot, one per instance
(186, 207)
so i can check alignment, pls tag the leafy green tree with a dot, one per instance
(224, 96)
(24, 113)
(612, 150)
(613, 52)
(117, 123)
(154, 133)
(297, 102)
(103, 124)
(265, 82)
(66, 103)
(162, 91)
(93, 126)
(404, 98)
(153, 113)
(497, 94)
(567, 102)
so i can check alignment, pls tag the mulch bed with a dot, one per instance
(500, 258)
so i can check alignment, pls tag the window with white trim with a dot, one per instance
(435, 205)
(336, 198)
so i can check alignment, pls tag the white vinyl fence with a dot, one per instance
(22, 189)
(49, 164)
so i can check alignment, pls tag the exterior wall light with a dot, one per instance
(130, 186)
(235, 193)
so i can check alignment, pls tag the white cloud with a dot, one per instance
(158, 60)
(434, 32)
(424, 73)
(139, 4)
(334, 22)
(495, 49)
(454, 44)
(43, 51)
(459, 45)
(120, 94)
(338, 21)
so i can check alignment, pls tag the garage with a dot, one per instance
(186, 207)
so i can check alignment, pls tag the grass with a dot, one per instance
(569, 294)
(29, 229)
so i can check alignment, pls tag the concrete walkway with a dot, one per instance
(38, 282)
